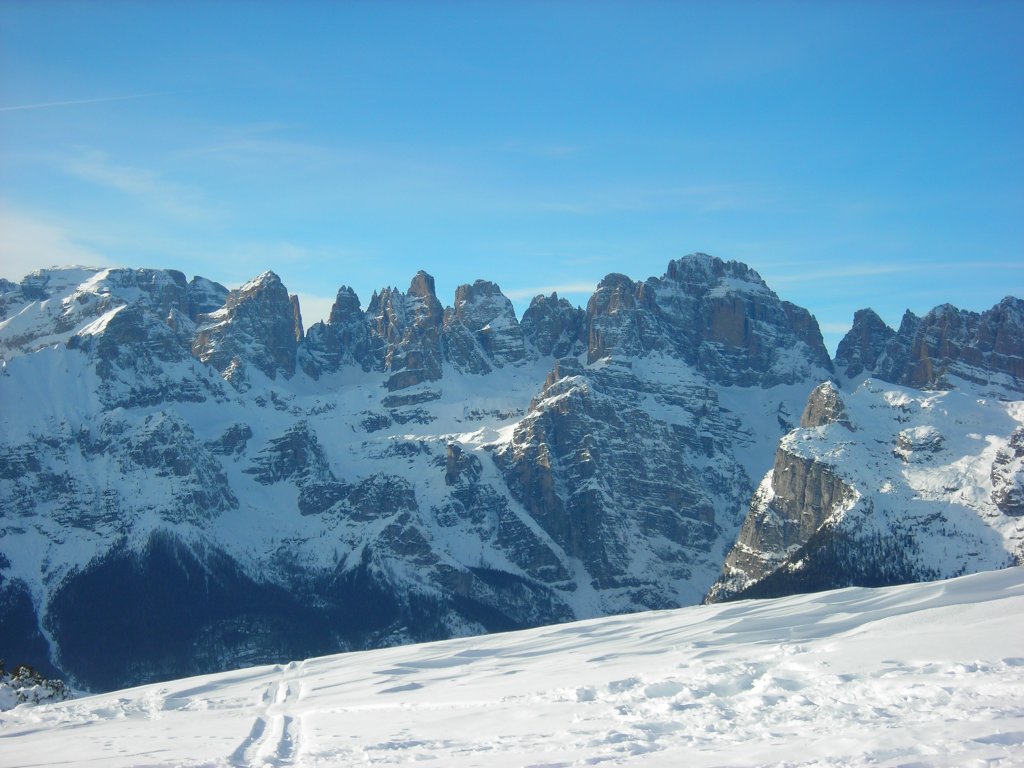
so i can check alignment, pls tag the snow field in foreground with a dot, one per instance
(922, 675)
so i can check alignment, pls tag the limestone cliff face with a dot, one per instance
(1007, 476)
(641, 499)
(623, 319)
(864, 344)
(256, 326)
(986, 347)
(718, 316)
(825, 406)
(553, 326)
(204, 297)
(405, 333)
(790, 507)
(481, 331)
(343, 340)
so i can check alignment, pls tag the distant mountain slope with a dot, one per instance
(923, 674)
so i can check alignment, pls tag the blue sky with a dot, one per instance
(855, 154)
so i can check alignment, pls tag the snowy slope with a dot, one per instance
(923, 675)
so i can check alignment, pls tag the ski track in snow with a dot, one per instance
(920, 675)
(275, 736)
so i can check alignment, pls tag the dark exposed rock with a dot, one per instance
(783, 517)
(481, 330)
(413, 398)
(825, 406)
(205, 297)
(295, 455)
(233, 441)
(719, 316)
(374, 422)
(460, 465)
(165, 445)
(343, 340)
(918, 444)
(553, 326)
(405, 333)
(575, 465)
(381, 496)
(980, 348)
(1007, 476)
(864, 344)
(293, 300)
(10, 296)
(142, 360)
(622, 319)
(256, 327)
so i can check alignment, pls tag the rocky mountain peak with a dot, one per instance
(825, 406)
(864, 344)
(699, 272)
(299, 516)
(422, 285)
(615, 319)
(256, 326)
(346, 307)
(718, 316)
(405, 333)
(266, 279)
(344, 338)
(614, 292)
(481, 330)
(984, 348)
(205, 297)
(554, 326)
(467, 295)
(44, 283)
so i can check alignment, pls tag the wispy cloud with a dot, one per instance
(703, 198)
(77, 102)
(811, 275)
(539, 149)
(29, 242)
(564, 288)
(145, 185)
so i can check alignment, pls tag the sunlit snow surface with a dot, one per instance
(926, 674)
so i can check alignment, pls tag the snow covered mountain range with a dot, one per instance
(192, 481)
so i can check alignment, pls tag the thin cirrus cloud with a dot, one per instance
(29, 242)
(801, 275)
(704, 198)
(80, 102)
(873, 270)
(142, 184)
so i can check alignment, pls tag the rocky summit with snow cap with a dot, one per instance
(192, 481)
